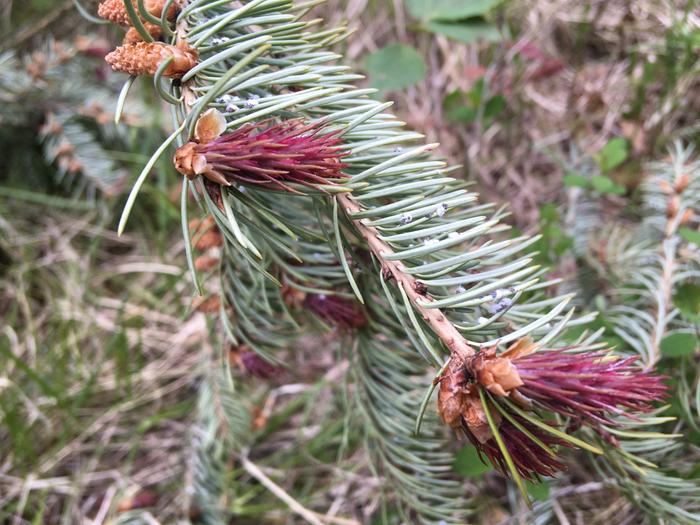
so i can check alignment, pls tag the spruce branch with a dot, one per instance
(643, 310)
(644, 267)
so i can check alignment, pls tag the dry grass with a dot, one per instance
(99, 386)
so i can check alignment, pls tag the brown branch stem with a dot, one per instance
(434, 317)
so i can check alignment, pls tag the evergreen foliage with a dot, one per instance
(317, 213)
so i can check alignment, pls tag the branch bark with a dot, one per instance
(437, 320)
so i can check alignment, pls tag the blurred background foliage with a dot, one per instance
(554, 107)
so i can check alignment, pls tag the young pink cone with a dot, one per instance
(271, 157)
(460, 406)
(589, 387)
(530, 459)
(336, 311)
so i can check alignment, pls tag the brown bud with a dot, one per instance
(51, 126)
(37, 66)
(207, 305)
(459, 403)
(140, 500)
(475, 418)
(497, 374)
(64, 148)
(144, 58)
(260, 418)
(420, 288)
(688, 215)
(132, 35)
(202, 225)
(292, 296)
(205, 262)
(115, 11)
(210, 125)
(682, 182)
(209, 239)
(674, 205)
(188, 162)
(75, 166)
(666, 187)
(191, 164)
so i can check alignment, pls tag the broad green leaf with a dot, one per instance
(678, 345)
(449, 10)
(687, 299)
(468, 464)
(456, 110)
(604, 184)
(476, 93)
(549, 213)
(613, 154)
(690, 235)
(453, 100)
(494, 107)
(538, 491)
(468, 31)
(134, 321)
(463, 107)
(574, 180)
(395, 67)
(461, 115)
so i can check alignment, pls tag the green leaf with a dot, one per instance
(476, 93)
(463, 107)
(463, 115)
(687, 299)
(549, 213)
(467, 32)
(678, 345)
(395, 67)
(455, 109)
(574, 180)
(449, 9)
(538, 491)
(606, 185)
(690, 235)
(468, 464)
(613, 154)
(494, 107)
(453, 100)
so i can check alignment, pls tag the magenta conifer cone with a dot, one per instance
(336, 311)
(271, 157)
(590, 388)
(530, 459)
